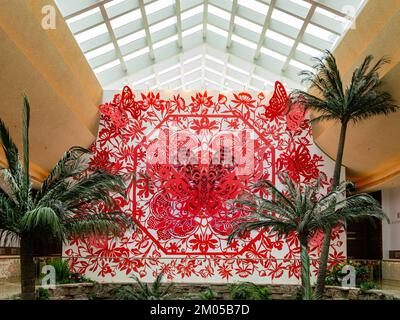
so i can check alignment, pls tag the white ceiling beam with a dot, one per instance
(289, 8)
(146, 29)
(93, 6)
(267, 22)
(205, 17)
(113, 38)
(327, 8)
(179, 22)
(299, 37)
(332, 30)
(231, 23)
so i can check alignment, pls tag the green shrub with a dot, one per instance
(43, 294)
(248, 291)
(144, 291)
(364, 276)
(367, 285)
(63, 273)
(62, 270)
(208, 294)
(298, 294)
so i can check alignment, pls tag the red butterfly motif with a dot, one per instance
(278, 103)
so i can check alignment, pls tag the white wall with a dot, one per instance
(391, 231)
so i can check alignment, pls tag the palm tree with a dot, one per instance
(361, 99)
(65, 205)
(302, 210)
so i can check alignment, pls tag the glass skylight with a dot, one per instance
(137, 53)
(144, 80)
(244, 41)
(158, 5)
(91, 33)
(233, 67)
(212, 71)
(113, 3)
(163, 24)
(287, 18)
(299, 65)
(126, 18)
(165, 41)
(273, 54)
(217, 30)
(190, 31)
(214, 59)
(192, 71)
(107, 66)
(209, 43)
(170, 80)
(254, 5)
(193, 59)
(83, 15)
(309, 50)
(99, 51)
(219, 12)
(248, 24)
(166, 70)
(321, 33)
(302, 3)
(280, 38)
(132, 37)
(192, 12)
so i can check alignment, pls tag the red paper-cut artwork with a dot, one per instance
(185, 158)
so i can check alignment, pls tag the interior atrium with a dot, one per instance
(159, 94)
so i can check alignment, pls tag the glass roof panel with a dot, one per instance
(254, 5)
(126, 18)
(223, 43)
(158, 5)
(91, 33)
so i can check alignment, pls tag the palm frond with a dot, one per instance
(12, 188)
(68, 166)
(362, 99)
(42, 218)
(98, 227)
(11, 153)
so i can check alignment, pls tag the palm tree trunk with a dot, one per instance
(323, 263)
(305, 269)
(27, 269)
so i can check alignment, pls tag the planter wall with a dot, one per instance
(84, 291)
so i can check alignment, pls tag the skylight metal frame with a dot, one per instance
(206, 30)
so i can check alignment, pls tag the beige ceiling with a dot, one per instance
(49, 67)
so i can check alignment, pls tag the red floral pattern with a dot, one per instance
(182, 205)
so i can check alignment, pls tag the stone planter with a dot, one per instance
(104, 291)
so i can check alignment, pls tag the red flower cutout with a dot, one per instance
(201, 100)
(244, 99)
